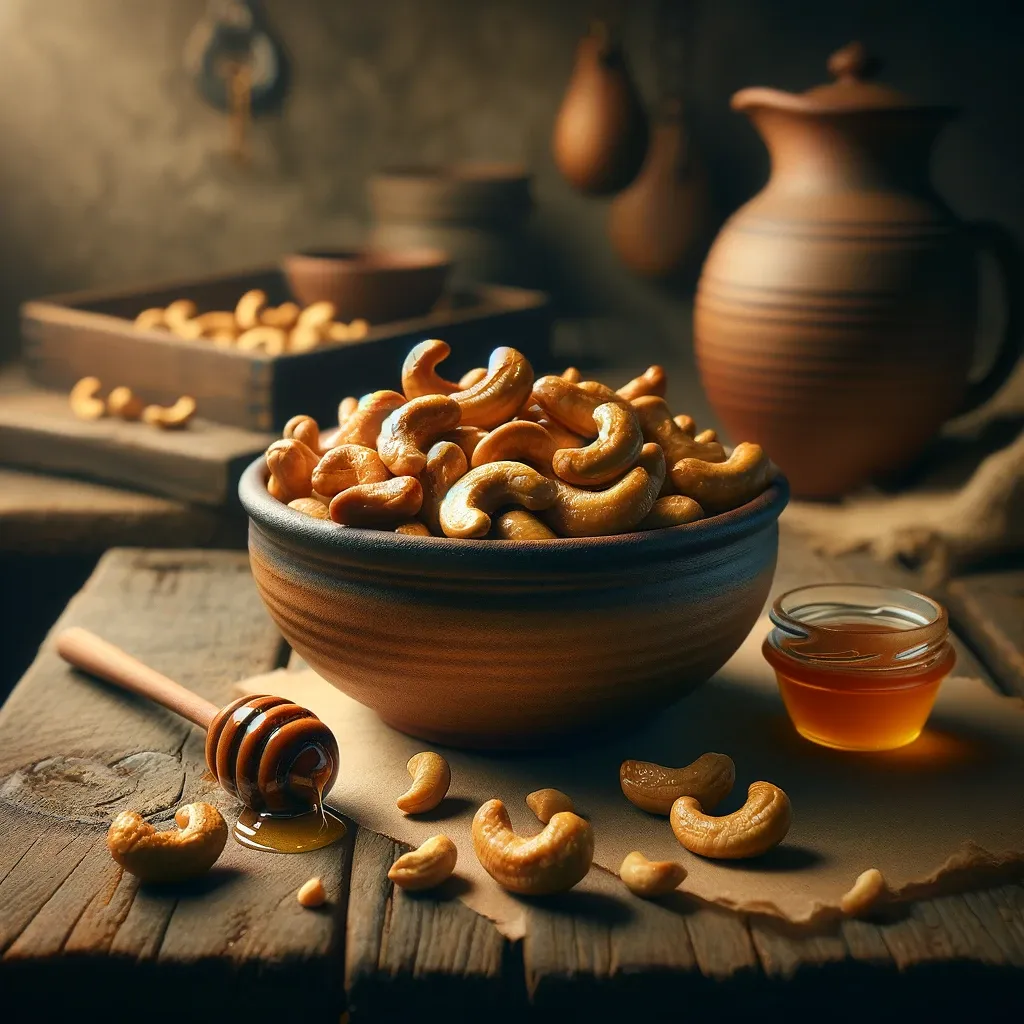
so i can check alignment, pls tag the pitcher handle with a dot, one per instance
(994, 238)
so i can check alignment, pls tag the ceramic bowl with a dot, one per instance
(508, 644)
(376, 285)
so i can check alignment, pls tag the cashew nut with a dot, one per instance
(431, 778)
(311, 507)
(868, 891)
(170, 417)
(291, 464)
(466, 508)
(500, 395)
(615, 449)
(345, 466)
(425, 867)
(83, 399)
(573, 405)
(272, 340)
(205, 325)
(150, 319)
(686, 424)
(446, 463)
(706, 436)
(312, 893)
(346, 407)
(375, 505)
(283, 316)
(179, 312)
(125, 403)
(725, 485)
(249, 307)
(363, 425)
(305, 337)
(651, 382)
(518, 524)
(467, 438)
(552, 861)
(317, 314)
(412, 428)
(304, 429)
(572, 375)
(471, 377)
(546, 803)
(172, 856)
(419, 371)
(659, 427)
(650, 878)
(358, 329)
(412, 528)
(655, 789)
(517, 441)
(761, 823)
(671, 510)
(616, 509)
(563, 438)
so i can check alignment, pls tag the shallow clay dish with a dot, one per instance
(375, 285)
(506, 644)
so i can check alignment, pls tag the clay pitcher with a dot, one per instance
(836, 313)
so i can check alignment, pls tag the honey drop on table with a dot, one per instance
(300, 833)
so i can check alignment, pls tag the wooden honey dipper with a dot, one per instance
(271, 754)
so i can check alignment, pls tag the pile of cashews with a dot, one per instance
(254, 325)
(86, 403)
(502, 455)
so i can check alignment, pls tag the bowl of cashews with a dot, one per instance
(503, 559)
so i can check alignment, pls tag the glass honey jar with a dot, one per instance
(858, 666)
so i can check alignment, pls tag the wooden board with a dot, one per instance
(201, 463)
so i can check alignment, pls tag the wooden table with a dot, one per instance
(75, 931)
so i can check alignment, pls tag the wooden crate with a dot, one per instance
(90, 334)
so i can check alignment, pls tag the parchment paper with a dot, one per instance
(944, 813)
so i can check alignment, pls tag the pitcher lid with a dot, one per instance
(851, 92)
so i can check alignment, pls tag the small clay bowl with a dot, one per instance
(375, 285)
(511, 644)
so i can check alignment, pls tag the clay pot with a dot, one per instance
(836, 312)
(504, 644)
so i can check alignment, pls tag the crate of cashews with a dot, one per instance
(501, 454)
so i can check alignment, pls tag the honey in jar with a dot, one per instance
(858, 666)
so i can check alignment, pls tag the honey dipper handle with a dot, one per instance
(88, 652)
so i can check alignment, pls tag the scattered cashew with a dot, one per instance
(284, 316)
(651, 382)
(546, 803)
(412, 428)
(312, 894)
(345, 466)
(172, 856)
(725, 485)
(467, 438)
(471, 377)
(761, 823)
(658, 427)
(150, 319)
(413, 528)
(615, 449)
(310, 506)
(364, 423)
(376, 505)
(431, 778)
(419, 371)
(291, 464)
(427, 866)
(867, 892)
(655, 789)
(304, 429)
(650, 878)
(573, 405)
(318, 314)
(170, 417)
(500, 395)
(517, 441)
(125, 403)
(518, 524)
(686, 424)
(616, 509)
(446, 463)
(671, 510)
(249, 307)
(272, 340)
(552, 861)
(84, 401)
(466, 508)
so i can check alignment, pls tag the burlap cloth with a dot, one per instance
(943, 813)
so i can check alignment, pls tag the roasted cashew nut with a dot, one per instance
(419, 371)
(346, 407)
(272, 340)
(517, 441)
(466, 508)
(651, 382)
(414, 427)
(573, 405)
(312, 893)
(867, 892)
(123, 402)
(446, 463)
(317, 314)
(671, 510)
(655, 789)
(658, 427)
(179, 312)
(706, 436)
(500, 395)
(378, 505)
(170, 417)
(306, 337)
(616, 448)
(413, 528)
(650, 878)
(346, 466)
(427, 866)
(172, 856)
(291, 464)
(725, 485)
(310, 507)
(572, 375)
(518, 524)
(363, 425)
(84, 400)
(431, 778)
(249, 308)
(688, 425)
(284, 316)
(304, 429)
(467, 438)
(562, 437)
(471, 377)
(546, 803)
(150, 320)
(761, 823)
(552, 861)
(616, 509)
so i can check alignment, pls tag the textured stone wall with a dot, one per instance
(112, 171)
